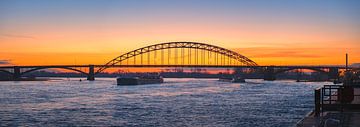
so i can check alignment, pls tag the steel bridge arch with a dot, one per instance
(170, 45)
(40, 68)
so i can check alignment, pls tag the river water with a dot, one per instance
(177, 102)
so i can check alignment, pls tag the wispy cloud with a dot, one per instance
(355, 65)
(17, 36)
(4, 62)
(278, 52)
(293, 54)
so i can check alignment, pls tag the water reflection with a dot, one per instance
(177, 102)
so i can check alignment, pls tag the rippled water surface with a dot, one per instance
(178, 102)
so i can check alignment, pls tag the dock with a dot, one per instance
(334, 103)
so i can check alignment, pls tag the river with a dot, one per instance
(177, 102)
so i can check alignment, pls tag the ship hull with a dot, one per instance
(233, 80)
(138, 81)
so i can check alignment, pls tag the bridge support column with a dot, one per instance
(17, 74)
(91, 74)
(334, 73)
(269, 74)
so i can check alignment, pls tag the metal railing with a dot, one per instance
(335, 98)
(330, 94)
(327, 95)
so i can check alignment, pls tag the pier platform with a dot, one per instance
(331, 109)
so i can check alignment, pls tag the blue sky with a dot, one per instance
(343, 11)
(298, 27)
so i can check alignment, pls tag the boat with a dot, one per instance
(238, 80)
(232, 79)
(225, 79)
(139, 80)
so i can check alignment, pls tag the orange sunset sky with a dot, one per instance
(274, 32)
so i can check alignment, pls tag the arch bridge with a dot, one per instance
(181, 53)
(270, 72)
(172, 54)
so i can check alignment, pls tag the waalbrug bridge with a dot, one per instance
(176, 54)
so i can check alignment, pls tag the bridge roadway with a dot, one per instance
(268, 71)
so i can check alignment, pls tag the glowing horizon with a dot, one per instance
(94, 32)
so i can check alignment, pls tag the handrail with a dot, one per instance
(327, 95)
(335, 98)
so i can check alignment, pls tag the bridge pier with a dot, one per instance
(91, 74)
(333, 73)
(17, 73)
(269, 74)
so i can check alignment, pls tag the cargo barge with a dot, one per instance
(232, 79)
(139, 80)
